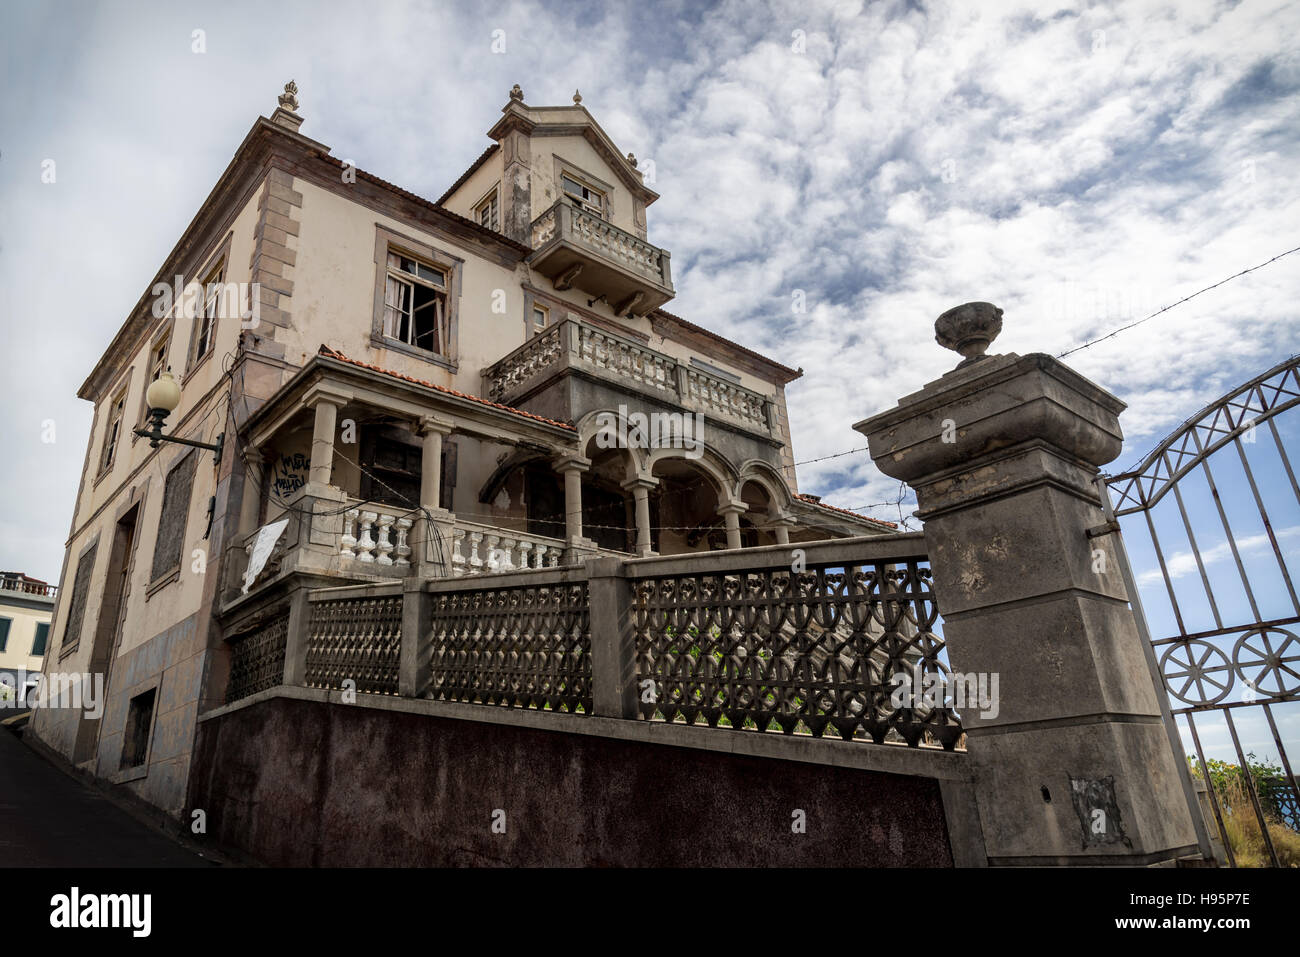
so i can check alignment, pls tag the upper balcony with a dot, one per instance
(525, 378)
(574, 247)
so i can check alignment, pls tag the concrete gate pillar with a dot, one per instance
(1073, 764)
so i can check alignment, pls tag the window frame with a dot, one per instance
(451, 266)
(45, 647)
(205, 323)
(5, 632)
(565, 169)
(492, 200)
(410, 281)
(110, 444)
(162, 338)
(89, 551)
(554, 313)
(217, 261)
(158, 579)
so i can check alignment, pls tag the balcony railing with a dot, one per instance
(39, 589)
(371, 543)
(575, 344)
(578, 248)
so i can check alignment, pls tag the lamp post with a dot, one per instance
(162, 397)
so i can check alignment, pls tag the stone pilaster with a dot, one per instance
(1073, 764)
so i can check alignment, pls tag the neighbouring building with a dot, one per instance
(26, 605)
(401, 387)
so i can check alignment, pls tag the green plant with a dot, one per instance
(1241, 824)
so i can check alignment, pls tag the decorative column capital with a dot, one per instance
(426, 424)
(640, 481)
(570, 462)
(733, 508)
(325, 393)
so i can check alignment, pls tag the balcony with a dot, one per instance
(367, 542)
(574, 346)
(573, 247)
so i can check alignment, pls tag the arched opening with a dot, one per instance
(686, 501)
(758, 499)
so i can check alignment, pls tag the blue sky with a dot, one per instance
(1078, 164)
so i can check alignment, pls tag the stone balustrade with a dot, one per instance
(574, 343)
(374, 537)
(482, 549)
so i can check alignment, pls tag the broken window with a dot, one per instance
(207, 318)
(583, 196)
(415, 303)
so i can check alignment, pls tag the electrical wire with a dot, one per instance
(1111, 335)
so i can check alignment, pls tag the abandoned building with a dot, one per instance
(384, 387)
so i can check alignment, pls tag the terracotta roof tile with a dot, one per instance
(333, 354)
(468, 173)
(844, 511)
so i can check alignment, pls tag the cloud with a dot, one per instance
(1080, 165)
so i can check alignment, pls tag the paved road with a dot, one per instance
(49, 819)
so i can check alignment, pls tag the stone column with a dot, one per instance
(731, 512)
(572, 467)
(326, 405)
(431, 560)
(432, 430)
(250, 501)
(640, 488)
(1071, 762)
(780, 524)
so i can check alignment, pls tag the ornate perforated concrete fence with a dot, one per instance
(517, 646)
(357, 639)
(816, 646)
(811, 640)
(257, 657)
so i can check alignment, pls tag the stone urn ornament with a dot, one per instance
(969, 329)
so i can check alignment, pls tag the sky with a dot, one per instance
(1080, 165)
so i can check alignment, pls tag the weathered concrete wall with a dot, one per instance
(294, 782)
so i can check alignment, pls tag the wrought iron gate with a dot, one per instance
(1216, 594)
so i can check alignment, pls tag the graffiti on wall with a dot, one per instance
(288, 474)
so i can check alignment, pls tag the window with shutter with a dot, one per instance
(175, 514)
(42, 638)
(80, 590)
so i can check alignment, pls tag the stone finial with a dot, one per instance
(577, 97)
(968, 329)
(289, 98)
(631, 159)
(516, 94)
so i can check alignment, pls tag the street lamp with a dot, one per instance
(162, 397)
